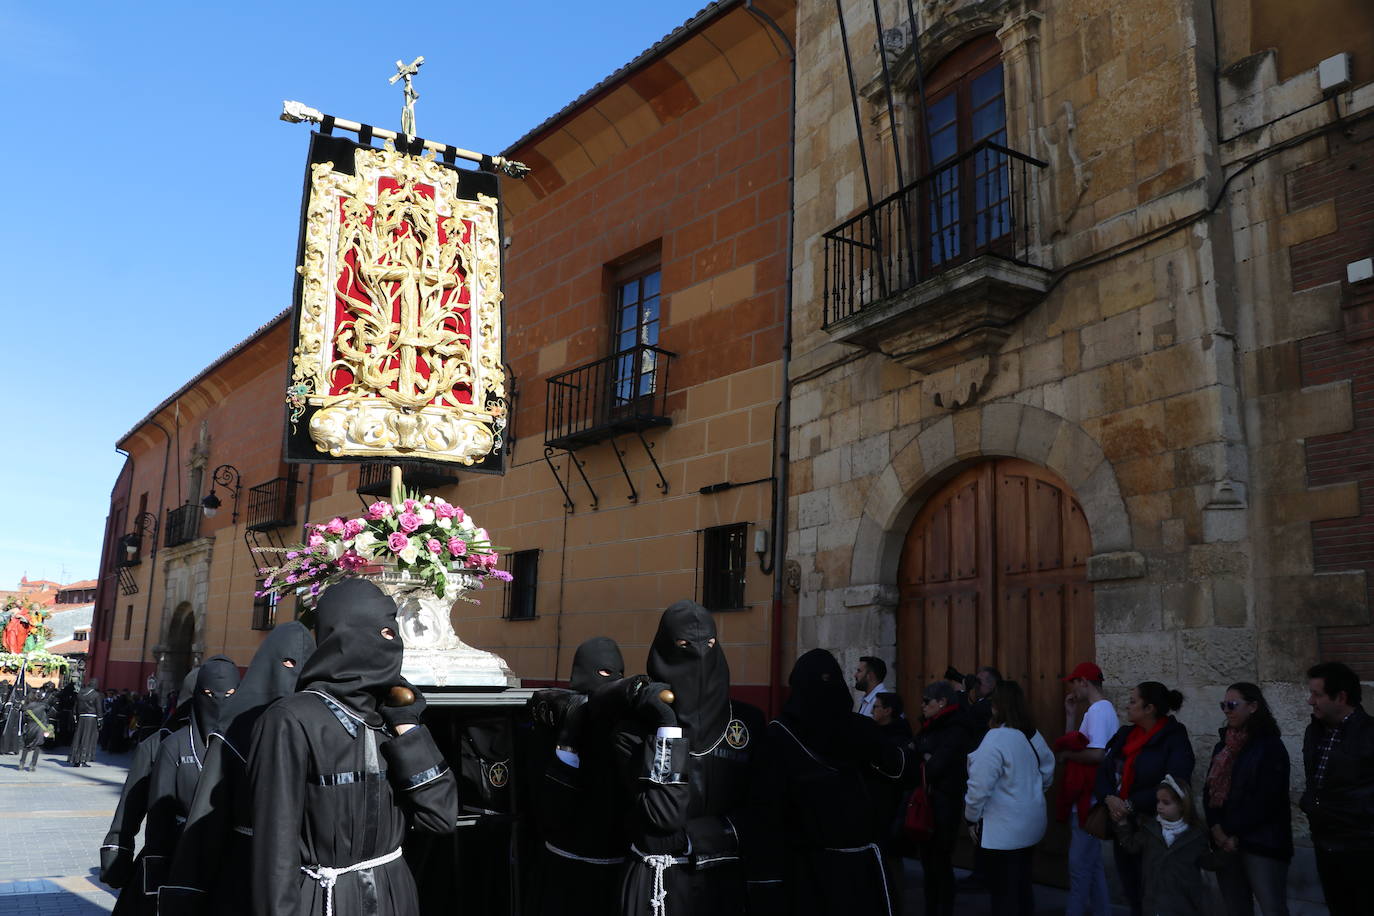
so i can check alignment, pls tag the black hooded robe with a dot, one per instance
(177, 769)
(37, 729)
(581, 804)
(817, 762)
(334, 789)
(119, 867)
(211, 868)
(89, 702)
(689, 818)
(11, 732)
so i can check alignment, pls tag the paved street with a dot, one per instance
(51, 825)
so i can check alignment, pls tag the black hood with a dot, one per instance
(697, 672)
(181, 713)
(218, 676)
(600, 653)
(819, 705)
(353, 662)
(267, 680)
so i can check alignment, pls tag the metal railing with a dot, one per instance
(374, 478)
(623, 392)
(183, 524)
(977, 203)
(272, 504)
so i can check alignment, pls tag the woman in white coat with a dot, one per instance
(1008, 777)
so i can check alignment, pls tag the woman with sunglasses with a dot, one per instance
(1246, 801)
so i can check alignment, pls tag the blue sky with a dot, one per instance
(152, 196)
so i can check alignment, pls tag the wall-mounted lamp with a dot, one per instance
(227, 476)
(145, 525)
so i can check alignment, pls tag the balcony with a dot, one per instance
(272, 504)
(626, 392)
(183, 524)
(375, 476)
(938, 272)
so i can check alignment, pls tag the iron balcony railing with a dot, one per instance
(976, 203)
(183, 524)
(621, 393)
(272, 504)
(374, 479)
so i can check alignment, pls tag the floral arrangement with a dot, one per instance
(41, 661)
(424, 536)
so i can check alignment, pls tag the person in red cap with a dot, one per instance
(1089, 722)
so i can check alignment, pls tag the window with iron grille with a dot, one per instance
(128, 621)
(521, 592)
(722, 568)
(265, 610)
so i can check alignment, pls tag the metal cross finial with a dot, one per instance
(405, 72)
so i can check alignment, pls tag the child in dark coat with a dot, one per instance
(1172, 844)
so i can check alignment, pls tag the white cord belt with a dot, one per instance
(329, 876)
(658, 902)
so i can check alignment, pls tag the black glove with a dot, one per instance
(650, 709)
(404, 715)
(570, 730)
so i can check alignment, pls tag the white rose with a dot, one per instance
(411, 553)
(467, 525)
(363, 544)
(426, 515)
(481, 535)
(444, 523)
(336, 549)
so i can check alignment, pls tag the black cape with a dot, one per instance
(688, 797)
(814, 793)
(211, 867)
(89, 703)
(331, 785)
(13, 727)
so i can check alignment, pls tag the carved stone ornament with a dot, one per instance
(398, 343)
(435, 656)
(959, 386)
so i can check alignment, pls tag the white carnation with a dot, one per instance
(444, 523)
(426, 515)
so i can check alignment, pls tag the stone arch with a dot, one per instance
(181, 636)
(998, 430)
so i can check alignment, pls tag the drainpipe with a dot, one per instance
(785, 414)
(152, 558)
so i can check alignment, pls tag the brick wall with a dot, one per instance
(1341, 189)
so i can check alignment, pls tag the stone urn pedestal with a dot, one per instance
(435, 656)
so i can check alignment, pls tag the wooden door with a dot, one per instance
(994, 571)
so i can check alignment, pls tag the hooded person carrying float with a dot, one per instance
(338, 778)
(211, 868)
(688, 769)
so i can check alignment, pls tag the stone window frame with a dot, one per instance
(524, 588)
(724, 566)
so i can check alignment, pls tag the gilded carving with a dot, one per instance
(399, 349)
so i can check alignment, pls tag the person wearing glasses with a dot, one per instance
(1246, 802)
(946, 739)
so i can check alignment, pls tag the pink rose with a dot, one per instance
(409, 505)
(354, 527)
(458, 514)
(379, 510)
(433, 545)
(316, 540)
(334, 526)
(351, 561)
(397, 541)
(457, 546)
(443, 510)
(490, 560)
(409, 521)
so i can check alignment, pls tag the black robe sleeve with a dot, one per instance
(660, 793)
(160, 833)
(278, 768)
(117, 852)
(204, 838)
(425, 785)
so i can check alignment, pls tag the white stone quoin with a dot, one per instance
(435, 656)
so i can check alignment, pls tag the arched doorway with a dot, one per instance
(180, 638)
(994, 571)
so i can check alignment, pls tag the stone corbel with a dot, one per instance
(960, 385)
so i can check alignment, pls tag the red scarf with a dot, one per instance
(1135, 743)
(1219, 778)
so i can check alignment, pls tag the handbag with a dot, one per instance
(918, 821)
(1099, 823)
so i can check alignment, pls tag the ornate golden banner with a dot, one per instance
(398, 318)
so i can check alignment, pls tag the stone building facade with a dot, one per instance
(1148, 339)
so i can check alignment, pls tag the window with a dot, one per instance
(722, 570)
(128, 621)
(265, 609)
(81, 636)
(636, 319)
(520, 594)
(968, 201)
